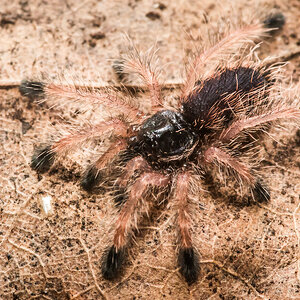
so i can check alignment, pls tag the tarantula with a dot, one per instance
(215, 121)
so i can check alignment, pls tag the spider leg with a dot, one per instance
(127, 221)
(93, 173)
(188, 260)
(43, 158)
(143, 66)
(72, 93)
(260, 192)
(233, 40)
(135, 164)
(236, 127)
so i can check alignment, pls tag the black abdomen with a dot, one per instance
(221, 94)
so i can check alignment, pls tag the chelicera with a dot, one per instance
(213, 123)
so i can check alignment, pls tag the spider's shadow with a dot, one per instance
(212, 186)
(64, 174)
(119, 195)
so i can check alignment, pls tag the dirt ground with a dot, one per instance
(247, 251)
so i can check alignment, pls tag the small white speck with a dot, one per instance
(46, 205)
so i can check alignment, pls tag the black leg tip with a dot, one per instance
(32, 89)
(90, 178)
(112, 263)
(42, 159)
(118, 67)
(188, 262)
(274, 21)
(261, 193)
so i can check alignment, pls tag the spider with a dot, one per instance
(214, 123)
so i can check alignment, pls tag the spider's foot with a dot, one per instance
(90, 178)
(188, 262)
(42, 159)
(32, 89)
(261, 193)
(118, 67)
(112, 263)
(274, 21)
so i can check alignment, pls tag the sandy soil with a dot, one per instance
(247, 251)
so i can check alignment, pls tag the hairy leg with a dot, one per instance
(137, 163)
(127, 221)
(275, 114)
(261, 193)
(93, 175)
(44, 157)
(72, 93)
(120, 187)
(233, 40)
(188, 260)
(144, 66)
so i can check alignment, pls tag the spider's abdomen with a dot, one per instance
(165, 136)
(222, 93)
